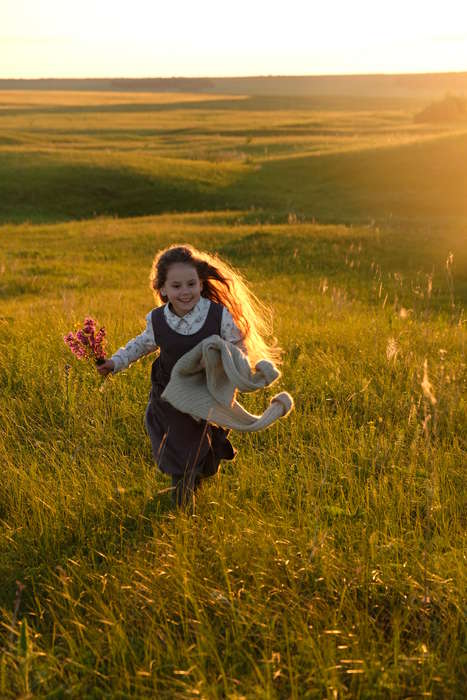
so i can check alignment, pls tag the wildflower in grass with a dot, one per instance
(86, 343)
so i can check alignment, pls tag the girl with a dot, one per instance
(197, 295)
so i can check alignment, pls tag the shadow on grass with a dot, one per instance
(133, 108)
(42, 189)
(257, 103)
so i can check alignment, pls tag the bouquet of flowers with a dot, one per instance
(87, 343)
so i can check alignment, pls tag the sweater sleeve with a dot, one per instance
(137, 347)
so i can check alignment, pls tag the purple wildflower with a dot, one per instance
(82, 337)
(89, 325)
(86, 343)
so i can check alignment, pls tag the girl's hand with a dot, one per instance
(106, 367)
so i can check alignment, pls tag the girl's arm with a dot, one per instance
(231, 332)
(143, 344)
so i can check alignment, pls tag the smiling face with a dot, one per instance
(182, 287)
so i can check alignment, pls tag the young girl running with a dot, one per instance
(197, 295)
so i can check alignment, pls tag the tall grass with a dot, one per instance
(326, 561)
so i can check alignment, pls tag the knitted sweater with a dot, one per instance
(204, 383)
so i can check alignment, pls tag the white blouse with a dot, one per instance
(191, 323)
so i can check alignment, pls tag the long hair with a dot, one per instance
(224, 285)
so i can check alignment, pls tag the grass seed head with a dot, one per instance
(427, 386)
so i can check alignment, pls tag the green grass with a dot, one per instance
(327, 561)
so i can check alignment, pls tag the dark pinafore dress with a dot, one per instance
(182, 445)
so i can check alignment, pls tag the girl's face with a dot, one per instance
(182, 287)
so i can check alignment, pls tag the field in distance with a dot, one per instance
(70, 156)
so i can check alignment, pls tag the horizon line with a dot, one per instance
(244, 77)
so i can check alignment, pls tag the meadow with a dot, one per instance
(326, 561)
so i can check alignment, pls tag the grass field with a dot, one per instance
(328, 560)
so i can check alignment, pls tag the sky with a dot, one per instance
(213, 38)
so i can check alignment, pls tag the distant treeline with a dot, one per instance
(131, 84)
(161, 84)
(405, 85)
(451, 109)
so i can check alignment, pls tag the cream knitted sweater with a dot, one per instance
(204, 383)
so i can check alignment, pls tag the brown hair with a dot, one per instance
(224, 285)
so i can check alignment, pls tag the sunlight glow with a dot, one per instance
(208, 38)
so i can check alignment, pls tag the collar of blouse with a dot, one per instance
(191, 317)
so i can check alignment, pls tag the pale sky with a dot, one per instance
(151, 38)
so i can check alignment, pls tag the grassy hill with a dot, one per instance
(66, 156)
(339, 160)
(327, 559)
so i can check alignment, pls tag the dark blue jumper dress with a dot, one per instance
(183, 447)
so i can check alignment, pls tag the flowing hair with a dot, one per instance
(223, 284)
